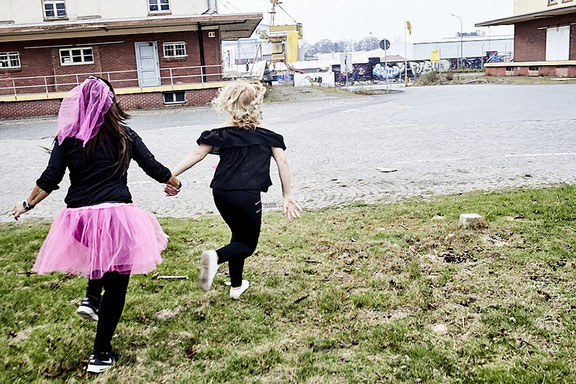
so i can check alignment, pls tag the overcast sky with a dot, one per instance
(355, 19)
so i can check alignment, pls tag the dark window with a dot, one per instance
(159, 5)
(176, 49)
(9, 60)
(72, 56)
(177, 97)
(54, 9)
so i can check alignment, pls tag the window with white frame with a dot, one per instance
(76, 56)
(9, 60)
(175, 49)
(178, 97)
(159, 5)
(54, 9)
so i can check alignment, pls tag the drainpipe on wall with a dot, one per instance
(202, 56)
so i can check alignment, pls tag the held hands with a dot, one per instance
(171, 190)
(173, 186)
(291, 209)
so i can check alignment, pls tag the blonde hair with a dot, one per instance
(243, 101)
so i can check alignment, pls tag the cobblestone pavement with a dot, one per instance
(438, 140)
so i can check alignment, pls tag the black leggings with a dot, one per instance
(242, 211)
(115, 286)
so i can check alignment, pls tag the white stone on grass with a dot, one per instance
(470, 220)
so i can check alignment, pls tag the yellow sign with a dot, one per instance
(292, 47)
(435, 56)
(409, 26)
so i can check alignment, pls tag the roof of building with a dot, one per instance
(466, 39)
(529, 16)
(232, 26)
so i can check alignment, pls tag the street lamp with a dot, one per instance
(461, 38)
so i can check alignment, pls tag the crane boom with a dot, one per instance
(287, 14)
(273, 11)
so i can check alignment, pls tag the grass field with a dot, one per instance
(362, 294)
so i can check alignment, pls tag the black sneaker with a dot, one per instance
(101, 362)
(88, 310)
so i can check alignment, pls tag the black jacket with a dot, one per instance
(95, 178)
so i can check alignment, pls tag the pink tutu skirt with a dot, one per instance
(91, 241)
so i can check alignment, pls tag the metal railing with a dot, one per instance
(16, 86)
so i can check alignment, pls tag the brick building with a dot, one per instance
(544, 39)
(154, 52)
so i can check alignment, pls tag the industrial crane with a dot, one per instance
(284, 38)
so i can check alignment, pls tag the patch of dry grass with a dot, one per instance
(475, 77)
(289, 93)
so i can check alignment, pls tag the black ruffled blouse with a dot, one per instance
(244, 157)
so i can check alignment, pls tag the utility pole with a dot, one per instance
(461, 39)
(406, 52)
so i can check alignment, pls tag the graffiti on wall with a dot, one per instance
(422, 67)
(383, 72)
(419, 68)
(494, 57)
(468, 63)
(376, 70)
(359, 72)
(394, 71)
(369, 72)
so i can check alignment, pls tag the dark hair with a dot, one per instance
(113, 134)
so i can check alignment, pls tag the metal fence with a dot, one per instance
(16, 86)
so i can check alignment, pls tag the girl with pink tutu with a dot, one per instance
(101, 234)
(245, 150)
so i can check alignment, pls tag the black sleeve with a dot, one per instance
(277, 141)
(145, 160)
(272, 138)
(55, 170)
(213, 138)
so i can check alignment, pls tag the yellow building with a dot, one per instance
(525, 7)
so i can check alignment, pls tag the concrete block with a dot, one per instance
(470, 220)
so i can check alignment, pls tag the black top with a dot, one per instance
(244, 157)
(95, 178)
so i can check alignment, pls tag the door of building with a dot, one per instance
(558, 43)
(147, 64)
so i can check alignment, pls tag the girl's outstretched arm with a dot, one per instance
(48, 181)
(37, 195)
(291, 209)
(188, 162)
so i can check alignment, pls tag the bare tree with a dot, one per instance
(328, 46)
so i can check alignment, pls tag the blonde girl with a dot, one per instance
(245, 150)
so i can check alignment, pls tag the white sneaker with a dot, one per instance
(87, 310)
(208, 269)
(99, 364)
(235, 293)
